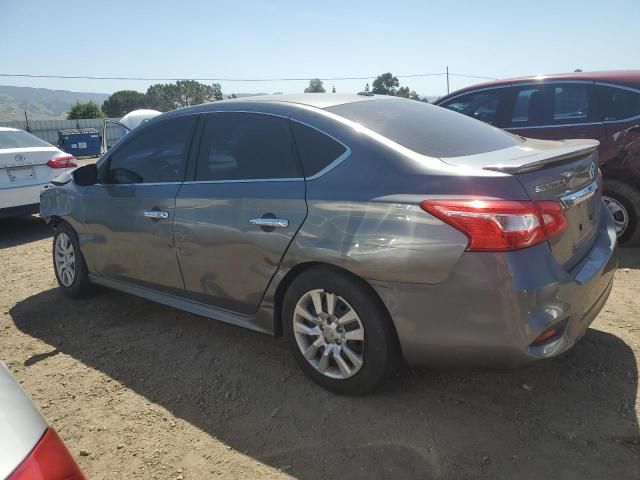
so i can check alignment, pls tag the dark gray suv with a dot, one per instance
(365, 229)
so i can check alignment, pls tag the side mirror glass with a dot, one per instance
(86, 176)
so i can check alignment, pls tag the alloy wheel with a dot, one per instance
(619, 213)
(65, 258)
(329, 334)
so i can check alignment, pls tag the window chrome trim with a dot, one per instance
(346, 154)
(332, 165)
(555, 125)
(580, 196)
(621, 87)
(328, 168)
(543, 81)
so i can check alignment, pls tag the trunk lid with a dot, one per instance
(21, 167)
(562, 171)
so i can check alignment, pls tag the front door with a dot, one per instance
(238, 214)
(130, 212)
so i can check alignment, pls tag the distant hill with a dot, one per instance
(41, 103)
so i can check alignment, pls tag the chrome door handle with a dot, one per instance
(270, 222)
(156, 214)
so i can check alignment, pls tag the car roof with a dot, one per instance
(630, 78)
(9, 129)
(318, 100)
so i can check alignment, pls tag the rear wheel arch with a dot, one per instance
(298, 269)
(55, 220)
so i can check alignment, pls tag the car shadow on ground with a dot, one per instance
(573, 417)
(629, 258)
(20, 230)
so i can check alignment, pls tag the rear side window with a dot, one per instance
(529, 107)
(317, 150)
(20, 139)
(571, 104)
(157, 154)
(246, 146)
(479, 105)
(426, 129)
(618, 103)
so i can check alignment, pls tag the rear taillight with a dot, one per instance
(500, 225)
(66, 161)
(49, 460)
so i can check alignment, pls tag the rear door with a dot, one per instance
(620, 108)
(555, 111)
(130, 213)
(238, 214)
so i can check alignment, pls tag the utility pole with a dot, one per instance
(447, 79)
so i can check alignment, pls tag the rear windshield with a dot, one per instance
(20, 139)
(426, 129)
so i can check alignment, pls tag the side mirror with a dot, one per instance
(86, 176)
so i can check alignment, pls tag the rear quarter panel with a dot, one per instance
(365, 215)
(65, 202)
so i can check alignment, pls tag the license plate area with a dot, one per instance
(21, 174)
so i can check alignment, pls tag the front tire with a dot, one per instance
(68, 262)
(623, 202)
(339, 331)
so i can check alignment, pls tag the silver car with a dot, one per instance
(29, 447)
(365, 229)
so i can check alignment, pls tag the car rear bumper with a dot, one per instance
(494, 305)
(20, 196)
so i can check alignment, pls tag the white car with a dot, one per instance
(26, 165)
(29, 448)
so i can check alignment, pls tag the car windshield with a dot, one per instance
(426, 129)
(20, 139)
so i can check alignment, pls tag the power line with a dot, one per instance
(150, 79)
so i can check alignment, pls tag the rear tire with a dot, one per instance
(627, 198)
(68, 263)
(352, 329)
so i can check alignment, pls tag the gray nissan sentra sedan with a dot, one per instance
(365, 229)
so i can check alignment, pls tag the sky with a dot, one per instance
(249, 39)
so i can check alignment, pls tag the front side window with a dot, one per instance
(426, 129)
(479, 105)
(571, 104)
(246, 146)
(618, 103)
(529, 107)
(157, 154)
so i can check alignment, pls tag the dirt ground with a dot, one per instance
(139, 390)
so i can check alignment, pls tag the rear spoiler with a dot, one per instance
(542, 159)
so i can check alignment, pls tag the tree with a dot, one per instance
(122, 102)
(315, 86)
(88, 109)
(183, 93)
(403, 92)
(385, 84)
(413, 95)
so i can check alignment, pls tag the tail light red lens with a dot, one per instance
(500, 225)
(49, 460)
(67, 161)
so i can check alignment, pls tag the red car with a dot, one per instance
(602, 105)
